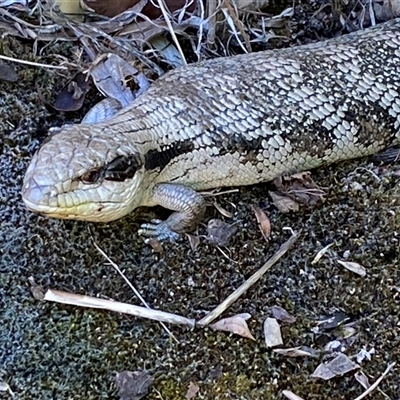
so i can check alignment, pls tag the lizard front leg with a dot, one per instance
(189, 207)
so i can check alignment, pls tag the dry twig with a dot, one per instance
(171, 30)
(250, 282)
(137, 294)
(92, 302)
(32, 63)
(377, 382)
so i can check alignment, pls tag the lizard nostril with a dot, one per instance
(37, 195)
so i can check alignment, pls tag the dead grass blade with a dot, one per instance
(137, 294)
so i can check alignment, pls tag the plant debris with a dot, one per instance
(92, 302)
(222, 210)
(299, 351)
(353, 267)
(332, 321)
(7, 73)
(301, 188)
(219, 232)
(236, 324)
(133, 385)
(192, 391)
(284, 204)
(272, 333)
(362, 379)
(321, 253)
(281, 314)
(72, 95)
(365, 354)
(290, 395)
(339, 366)
(5, 387)
(112, 75)
(263, 222)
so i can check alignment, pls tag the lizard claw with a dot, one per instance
(158, 229)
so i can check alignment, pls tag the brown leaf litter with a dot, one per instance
(236, 324)
(133, 385)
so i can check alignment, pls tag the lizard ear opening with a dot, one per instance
(121, 168)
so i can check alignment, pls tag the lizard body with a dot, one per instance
(224, 122)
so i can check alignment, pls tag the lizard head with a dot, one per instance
(78, 175)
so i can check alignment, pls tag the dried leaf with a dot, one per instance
(290, 395)
(236, 324)
(301, 188)
(281, 314)
(194, 241)
(144, 30)
(349, 330)
(272, 333)
(192, 391)
(219, 232)
(155, 244)
(334, 346)
(36, 290)
(263, 222)
(71, 96)
(7, 73)
(388, 156)
(133, 385)
(222, 210)
(8, 3)
(353, 267)
(340, 365)
(284, 203)
(321, 253)
(112, 76)
(114, 24)
(5, 387)
(167, 51)
(300, 351)
(333, 321)
(386, 9)
(365, 354)
(362, 379)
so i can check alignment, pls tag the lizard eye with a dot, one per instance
(91, 176)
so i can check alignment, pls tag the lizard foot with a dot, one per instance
(158, 229)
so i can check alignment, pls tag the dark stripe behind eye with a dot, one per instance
(160, 158)
(122, 168)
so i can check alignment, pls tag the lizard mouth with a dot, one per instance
(91, 212)
(46, 200)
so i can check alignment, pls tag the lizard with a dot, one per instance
(224, 122)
